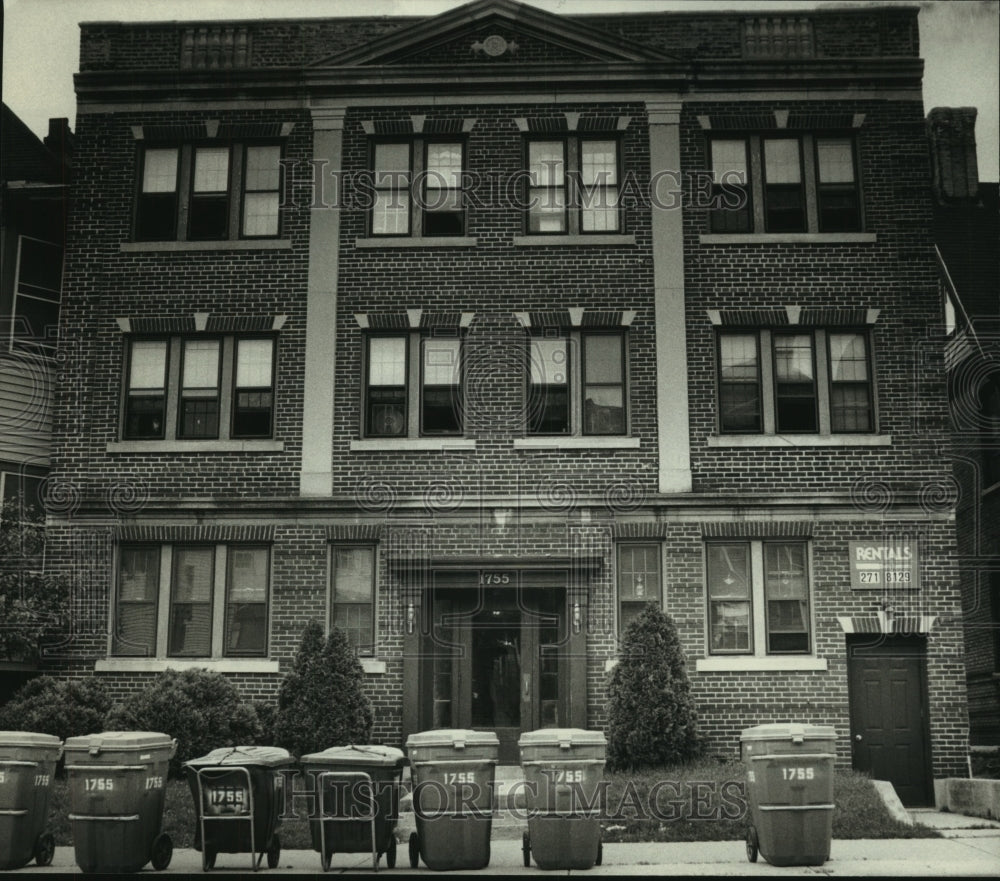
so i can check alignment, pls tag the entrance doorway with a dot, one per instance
(494, 659)
(889, 733)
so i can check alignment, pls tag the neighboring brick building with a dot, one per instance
(481, 435)
(967, 232)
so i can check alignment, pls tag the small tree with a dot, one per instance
(33, 603)
(651, 715)
(322, 702)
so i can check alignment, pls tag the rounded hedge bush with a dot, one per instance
(203, 710)
(322, 702)
(651, 714)
(62, 707)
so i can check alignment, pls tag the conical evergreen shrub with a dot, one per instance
(651, 714)
(322, 702)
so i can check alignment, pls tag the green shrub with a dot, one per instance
(267, 715)
(202, 710)
(651, 714)
(322, 701)
(34, 603)
(63, 707)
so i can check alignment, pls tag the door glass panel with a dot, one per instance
(496, 667)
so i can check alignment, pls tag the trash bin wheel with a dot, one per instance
(162, 851)
(600, 853)
(752, 844)
(390, 854)
(45, 849)
(207, 859)
(274, 852)
(414, 850)
(526, 849)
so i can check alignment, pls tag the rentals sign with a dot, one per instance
(888, 564)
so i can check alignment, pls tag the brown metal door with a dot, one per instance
(888, 719)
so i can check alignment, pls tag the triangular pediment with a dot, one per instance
(492, 32)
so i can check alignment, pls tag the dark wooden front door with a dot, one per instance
(492, 662)
(888, 713)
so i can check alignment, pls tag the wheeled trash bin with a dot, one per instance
(117, 788)
(27, 769)
(790, 790)
(563, 770)
(239, 796)
(452, 772)
(357, 802)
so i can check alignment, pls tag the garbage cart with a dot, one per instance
(239, 796)
(790, 790)
(27, 769)
(117, 788)
(358, 800)
(563, 770)
(452, 772)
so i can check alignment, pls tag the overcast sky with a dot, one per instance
(959, 41)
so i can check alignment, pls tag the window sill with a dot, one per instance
(800, 440)
(535, 241)
(411, 444)
(576, 443)
(225, 245)
(193, 446)
(372, 666)
(743, 664)
(788, 238)
(417, 242)
(158, 665)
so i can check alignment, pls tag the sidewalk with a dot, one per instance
(967, 849)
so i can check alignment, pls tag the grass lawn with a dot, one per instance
(707, 802)
(701, 802)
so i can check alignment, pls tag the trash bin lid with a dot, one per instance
(563, 737)
(265, 756)
(366, 754)
(117, 740)
(788, 731)
(29, 739)
(456, 738)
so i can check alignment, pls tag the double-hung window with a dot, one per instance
(37, 292)
(758, 597)
(353, 605)
(784, 194)
(199, 388)
(638, 581)
(784, 183)
(191, 601)
(418, 188)
(573, 186)
(802, 381)
(209, 192)
(413, 385)
(576, 384)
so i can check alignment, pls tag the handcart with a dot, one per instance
(364, 782)
(239, 796)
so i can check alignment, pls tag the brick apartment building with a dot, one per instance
(546, 317)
